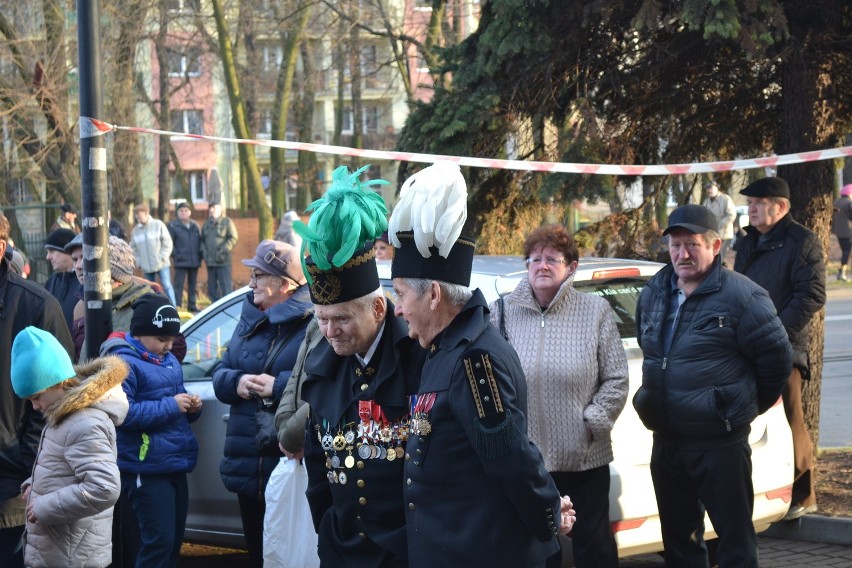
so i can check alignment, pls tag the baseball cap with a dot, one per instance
(696, 219)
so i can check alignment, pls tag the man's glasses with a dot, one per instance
(548, 261)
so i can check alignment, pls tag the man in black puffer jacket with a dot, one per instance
(787, 260)
(716, 356)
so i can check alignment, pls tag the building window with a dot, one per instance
(265, 126)
(188, 121)
(184, 63)
(192, 6)
(195, 181)
(273, 56)
(369, 60)
(369, 119)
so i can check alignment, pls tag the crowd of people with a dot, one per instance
(434, 430)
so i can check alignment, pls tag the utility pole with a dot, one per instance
(97, 283)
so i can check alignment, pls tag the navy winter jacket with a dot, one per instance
(244, 469)
(728, 360)
(155, 437)
(187, 244)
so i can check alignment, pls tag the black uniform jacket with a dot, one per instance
(476, 490)
(354, 490)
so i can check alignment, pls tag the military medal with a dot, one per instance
(341, 478)
(349, 437)
(399, 452)
(420, 416)
(349, 462)
(339, 442)
(391, 454)
(364, 451)
(327, 442)
(335, 462)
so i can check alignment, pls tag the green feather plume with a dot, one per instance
(342, 220)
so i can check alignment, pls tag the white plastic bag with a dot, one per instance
(289, 540)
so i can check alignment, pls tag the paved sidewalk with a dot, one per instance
(814, 541)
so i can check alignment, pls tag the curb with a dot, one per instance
(814, 528)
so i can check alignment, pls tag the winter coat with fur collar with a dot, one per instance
(75, 481)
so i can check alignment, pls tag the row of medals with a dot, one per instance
(377, 443)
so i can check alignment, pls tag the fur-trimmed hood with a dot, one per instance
(100, 387)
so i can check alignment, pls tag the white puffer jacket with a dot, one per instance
(75, 481)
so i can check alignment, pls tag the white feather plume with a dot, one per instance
(433, 204)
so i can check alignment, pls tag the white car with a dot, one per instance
(213, 513)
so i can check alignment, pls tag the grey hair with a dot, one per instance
(365, 302)
(779, 200)
(711, 236)
(456, 294)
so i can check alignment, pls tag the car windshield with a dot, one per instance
(209, 338)
(622, 295)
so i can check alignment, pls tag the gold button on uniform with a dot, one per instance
(360, 464)
(361, 483)
(362, 500)
(411, 506)
(408, 481)
(364, 386)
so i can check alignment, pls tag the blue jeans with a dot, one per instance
(165, 275)
(161, 525)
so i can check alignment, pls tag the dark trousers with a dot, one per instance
(845, 249)
(686, 481)
(804, 493)
(125, 534)
(218, 281)
(252, 511)
(12, 547)
(591, 538)
(191, 275)
(160, 503)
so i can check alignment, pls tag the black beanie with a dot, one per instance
(154, 315)
(57, 239)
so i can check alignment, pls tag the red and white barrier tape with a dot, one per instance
(92, 127)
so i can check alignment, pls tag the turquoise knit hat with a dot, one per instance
(38, 362)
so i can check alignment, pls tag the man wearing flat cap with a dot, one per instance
(716, 356)
(471, 472)
(358, 385)
(786, 259)
(67, 219)
(63, 283)
(186, 236)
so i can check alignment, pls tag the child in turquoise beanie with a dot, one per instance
(75, 481)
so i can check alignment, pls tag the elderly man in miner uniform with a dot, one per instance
(476, 489)
(787, 260)
(715, 356)
(358, 385)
